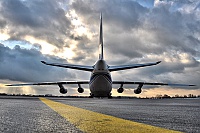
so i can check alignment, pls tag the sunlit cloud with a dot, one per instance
(79, 28)
(47, 48)
(67, 53)
(4, 37)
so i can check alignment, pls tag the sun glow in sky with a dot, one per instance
(46, 47)
(4, 36)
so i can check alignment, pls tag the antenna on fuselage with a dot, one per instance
(101, 39)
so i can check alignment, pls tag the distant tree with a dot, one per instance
(166, 96)
(158, 96)
(3, 94)
(190, 95)
(185, 96)
(176, 96)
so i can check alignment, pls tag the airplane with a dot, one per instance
(100, 83)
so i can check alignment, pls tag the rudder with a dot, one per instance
(101, 39)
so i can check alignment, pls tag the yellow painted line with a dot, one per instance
(92, 122)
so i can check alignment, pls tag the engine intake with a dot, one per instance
(120, 90)
(62, 89)
(80, 90)
(139, 89)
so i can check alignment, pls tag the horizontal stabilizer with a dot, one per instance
(71, 66)
(124, 67)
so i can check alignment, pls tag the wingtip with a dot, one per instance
(192, 85)
(43, 62)
(8, 85)
(158, 62)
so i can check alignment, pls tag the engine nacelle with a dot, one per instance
(139, 89)
(120, 90)
(62, 89)
(80, 90)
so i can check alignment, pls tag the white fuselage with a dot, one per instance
(100, 81)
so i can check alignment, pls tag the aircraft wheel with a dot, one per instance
(91, 95)
(109, 96)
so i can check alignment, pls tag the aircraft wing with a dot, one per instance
(52, 83)
(148, 83)
(123, 67)
(72, 66)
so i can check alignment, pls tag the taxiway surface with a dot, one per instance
(30, 114)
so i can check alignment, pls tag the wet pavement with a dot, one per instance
(29, 114)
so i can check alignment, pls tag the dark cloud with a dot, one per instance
(2, 23)
(118, 14)
(133, 32)
(41, 19)
(24, 65)
(18, 13)
(115, 22)
(142, 30)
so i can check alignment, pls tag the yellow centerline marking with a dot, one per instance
(92, 122)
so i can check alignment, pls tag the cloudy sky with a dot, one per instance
(67, 31)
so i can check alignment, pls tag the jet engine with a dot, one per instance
(120, 90)
(139, 89)
(62, 89)
(80, 90)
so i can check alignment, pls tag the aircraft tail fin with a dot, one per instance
(101, 39)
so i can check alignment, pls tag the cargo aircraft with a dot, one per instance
(100, 83)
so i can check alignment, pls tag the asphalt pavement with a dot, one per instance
(30, 114)
(176, 114)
